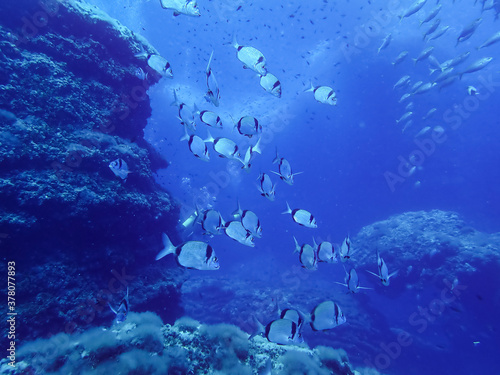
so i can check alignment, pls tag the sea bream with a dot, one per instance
(236, 231)
(122, 311)
(208, 118)
(185, 115)
(383, 271)
(120, 168)
(307, 255)
(251, 222)
(197, 146)
(279, 331)
(326, 252)
(345, 250)
(301, 217)
(326, 315)
(414, 8)
(161, 65)
(187, 7)
(271, 84)
(213, 93)
(266, 186)
(249, 154)
(251, 58)
(285, 170)
(212, 223)
(352, 281)
(192, 254)
(248, 126)
(323, 94)
(225, 147)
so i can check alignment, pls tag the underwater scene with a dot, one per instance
(250, 187)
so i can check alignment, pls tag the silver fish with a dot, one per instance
(213, 93)
(285, 170)
(416, 85)
(345, 250)
(281, 332)
(248, 126)
(212, 223)
(192, 254)
(383, 271)
(197, 146)
(432, 14)
(251, 58)
(400, 58)
(307, 255)
(187, 7)
(225, 147)
(326, 315)
(445, 74)
(405, 117)
(236, 231)
(251, 222)
(432, 28)
(251, 150)
(323, 94)
(403, 81)
(185, 115)
(160, 65)
(352, 281)
(271, 84)
(424, 88)
(301, 217)
(326, 252)
(385, 42)
(424, 54)
(122, 311)
(266, 188)
(478, 65)
(439, 33)
(456, 61)
(429, 113)
(493, 39)
(209, 118)
(414, 8)
(468, 31)
(120, 168)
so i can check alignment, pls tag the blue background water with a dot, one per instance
(343, 151)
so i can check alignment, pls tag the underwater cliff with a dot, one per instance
(70, 104)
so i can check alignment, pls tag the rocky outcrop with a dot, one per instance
(71, 102)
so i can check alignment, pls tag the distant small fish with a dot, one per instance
(327, 315)
(122, 311)
(323, 94)
(120, 168)
(385, 42)
(236, 231)
(187, 7)
(414, 8)
(404, 97)
(266, 188)
(213, 93)
(429, 113)
(383, 271)
(423, 131)
(271, 84)
(403, 81)
(192, 254)
(405, 117)
(251, 58)
(415, 86)
(285, 170)
(301, 217)
(160, 65)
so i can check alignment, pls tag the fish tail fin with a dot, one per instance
(393, 274)
(414, 61)
(196, 110)
(256, 148)
(169, 248)
(314, 243)
(235, 42)
(373, 273)
(277, 158)
(297, 247)
(209, 62)
(310, 89)
(209, 139)
(238, 212)
(116, 313)
(185, 137)
(288, 209)
(259, 328)
(276, 173)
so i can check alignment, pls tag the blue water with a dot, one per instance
(343, 151)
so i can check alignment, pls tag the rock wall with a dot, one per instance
(70, 103)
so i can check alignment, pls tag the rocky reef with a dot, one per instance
(143, 345)
(71, 101)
